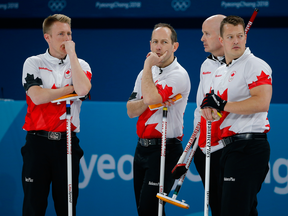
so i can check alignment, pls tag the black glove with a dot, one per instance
(214, 101)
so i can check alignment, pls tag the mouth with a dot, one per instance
(159, 54)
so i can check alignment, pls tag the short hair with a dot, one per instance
(173, 32)
(233, 20)
(50, 20)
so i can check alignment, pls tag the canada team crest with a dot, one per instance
(232, 75)
(67, 74)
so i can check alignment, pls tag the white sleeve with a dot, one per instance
(137, 94)
(31, 75)
(199, 98)
(197, 114)
(86, 68)
(259, 73)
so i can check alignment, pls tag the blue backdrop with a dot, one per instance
(108, 138)
(116, 56)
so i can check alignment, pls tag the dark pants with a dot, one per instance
(244, 165)
(214, 186)
(45, 162)
(146, 170)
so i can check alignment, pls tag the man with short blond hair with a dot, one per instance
(46, 77)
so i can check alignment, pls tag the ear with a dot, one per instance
(175, 46)
(221, 40)
(245, 39)
(47, 37)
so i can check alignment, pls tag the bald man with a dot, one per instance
(158, 82)
(212, 45)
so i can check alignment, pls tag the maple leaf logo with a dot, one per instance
(263, 79)
(224, 95)
(165, 92)
(31, 81)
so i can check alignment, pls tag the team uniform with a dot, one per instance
(207, 73)
(169, 81)
(245, 157)
(45, 151)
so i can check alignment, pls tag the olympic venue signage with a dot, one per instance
(140, 9)
(107, 168)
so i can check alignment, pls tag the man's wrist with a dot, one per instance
(147, 66)
(225, 105)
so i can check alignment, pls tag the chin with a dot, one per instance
(160, 64)
(63, 52)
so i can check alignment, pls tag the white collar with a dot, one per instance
(246, 53)
(54, 60)
(169, 67)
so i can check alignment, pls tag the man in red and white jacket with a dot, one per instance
(46, 77)
(242, 91)
(161, 79)
(210, 39)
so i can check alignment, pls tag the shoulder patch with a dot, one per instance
(31, 81)
(132, 96)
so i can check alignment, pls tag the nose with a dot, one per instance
(202, 38)
(68, 37)
(158, 46)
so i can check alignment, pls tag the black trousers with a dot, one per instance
(214, 186)
(45, 162)
(244, 166)
(146, 170)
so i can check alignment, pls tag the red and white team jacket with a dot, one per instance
(233, 83)
(48, 72)
(169, 81)
(208, 68)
